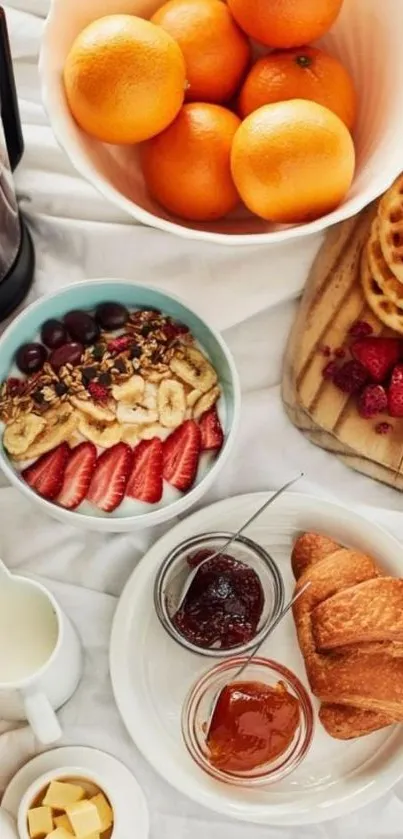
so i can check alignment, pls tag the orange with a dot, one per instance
(124, 79)
(216, 51)
(187, 167)
(292, 161)
(302, 73)
(285, 23)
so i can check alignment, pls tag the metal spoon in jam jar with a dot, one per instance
(234, 536)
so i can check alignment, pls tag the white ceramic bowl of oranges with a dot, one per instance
(239, 123)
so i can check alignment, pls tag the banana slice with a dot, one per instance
(171, 403)
(156, 376)
(150, 394)
(192, 397)
(60, 428)
(130, 392)
(193, 368)
(20, 434)
(100, 433)
(206, 402)
(57, 415)
(98, 413)
(131, 434)
(137, 415)
(147, 432)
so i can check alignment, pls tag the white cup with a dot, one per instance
(40, 655)
(9, 829)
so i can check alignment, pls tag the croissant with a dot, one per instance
(349, 624)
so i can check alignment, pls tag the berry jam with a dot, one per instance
(252, 725)
(224, 603)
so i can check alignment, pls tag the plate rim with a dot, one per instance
(315, 814)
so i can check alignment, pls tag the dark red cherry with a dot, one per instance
(54, 333)
(111, 315)
(30, 358)
(70, 353)
(81, 327)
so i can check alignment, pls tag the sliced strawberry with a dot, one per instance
(78, 474)
(145, 481)
(109, 480)
(181, 455)
(212, 435)
(395, 394)
(46, 475)
(377, 355)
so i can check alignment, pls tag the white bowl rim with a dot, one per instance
(150, 518)
(342, 213)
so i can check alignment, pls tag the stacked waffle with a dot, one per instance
(382, 260)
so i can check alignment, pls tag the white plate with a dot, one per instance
(151, 674)
(127, 793)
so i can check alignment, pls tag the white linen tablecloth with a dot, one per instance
(78, 235)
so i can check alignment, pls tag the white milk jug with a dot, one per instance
(40, 655)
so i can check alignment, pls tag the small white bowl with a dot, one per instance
(366, 37)
(72, 774)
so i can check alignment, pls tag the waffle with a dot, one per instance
(390, 215)
(382, 306)
(380, 270)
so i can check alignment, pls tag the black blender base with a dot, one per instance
(18, 281)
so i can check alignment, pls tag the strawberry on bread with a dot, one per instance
(46, 475)
(181, 452)
(109, 481)
(145, 480)
(77, 477)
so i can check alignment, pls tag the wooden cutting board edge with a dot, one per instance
(341, 250)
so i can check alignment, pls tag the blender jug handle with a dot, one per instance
(10, 115)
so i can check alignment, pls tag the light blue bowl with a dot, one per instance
(87, 295)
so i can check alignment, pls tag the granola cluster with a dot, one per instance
(148, 344)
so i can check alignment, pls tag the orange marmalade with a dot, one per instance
(252, 724)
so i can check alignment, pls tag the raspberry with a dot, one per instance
(360, 329)
(98, 392)
(340, 352)
(351, 377)
(383, 427)
(120, 344)
(372, 401)
(330, 370)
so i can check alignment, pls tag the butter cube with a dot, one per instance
(84, 818)
(59, 833)
(105, 812)
(60, 794)
(40, 822)
(62, 821)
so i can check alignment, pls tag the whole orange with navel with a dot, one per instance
(216, 50)
(285, 23)
(292, 161)
(124, 79)
(301, 73)
(187, 167)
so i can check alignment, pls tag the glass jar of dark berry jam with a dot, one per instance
(231, 601)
